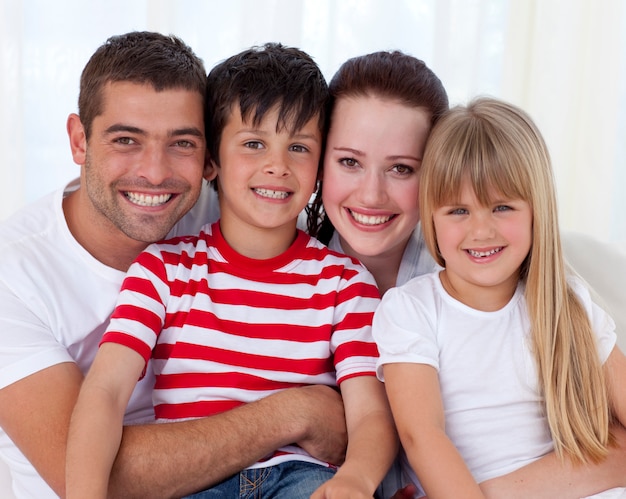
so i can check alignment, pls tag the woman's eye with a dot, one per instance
(349, 162)
(402, 169)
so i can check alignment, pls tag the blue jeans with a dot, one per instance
(290, 480)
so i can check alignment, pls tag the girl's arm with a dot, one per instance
(550, 478)
(615, 371)
(372, 440)
(96, 426)
(415, 399)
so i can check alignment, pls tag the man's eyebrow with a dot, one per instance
(187, 131)
(118, 127)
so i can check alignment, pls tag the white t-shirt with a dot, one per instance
(55, 303)
(492, 404)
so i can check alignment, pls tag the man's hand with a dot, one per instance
(326, 437)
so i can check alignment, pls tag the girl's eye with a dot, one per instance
(459, 211)
(403, 169)
(502, 208)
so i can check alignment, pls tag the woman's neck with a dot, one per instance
(384, 267)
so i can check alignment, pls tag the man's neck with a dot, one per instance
(108, 246)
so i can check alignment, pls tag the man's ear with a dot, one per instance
(210, 168)
(78, 139)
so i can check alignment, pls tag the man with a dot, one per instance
(139, 139)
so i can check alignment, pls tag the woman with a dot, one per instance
(384, 106)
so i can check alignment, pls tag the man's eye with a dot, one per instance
(184, 143)
(124, 140)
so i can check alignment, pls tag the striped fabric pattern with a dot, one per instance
(223, 329)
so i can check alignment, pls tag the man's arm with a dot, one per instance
(165, 460)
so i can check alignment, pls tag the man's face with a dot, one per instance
(145, 159)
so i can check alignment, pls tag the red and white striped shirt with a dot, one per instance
(223, 329)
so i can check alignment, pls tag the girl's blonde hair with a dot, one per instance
(498, 148)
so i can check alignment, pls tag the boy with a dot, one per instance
(251, 305)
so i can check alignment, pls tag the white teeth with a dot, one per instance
(370, 220)
(481, 254)
(148, 200)
(267, 193)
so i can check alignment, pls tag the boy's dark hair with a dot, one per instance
(257, 80)
(391, 75)
(165, 62)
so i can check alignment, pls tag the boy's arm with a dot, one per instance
(415, 399)
(372, 440)
(159, 460)
(97, 420)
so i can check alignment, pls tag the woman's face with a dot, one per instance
(371, 173)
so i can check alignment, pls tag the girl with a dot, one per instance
(500, 357)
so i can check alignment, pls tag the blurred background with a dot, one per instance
(563, 61)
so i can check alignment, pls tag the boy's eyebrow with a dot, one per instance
(120, 127)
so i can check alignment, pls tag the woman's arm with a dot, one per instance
(415, 399)
(97, 420)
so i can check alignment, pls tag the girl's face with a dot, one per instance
(371, 182)
(483, 247)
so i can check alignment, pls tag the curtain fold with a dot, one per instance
(564, 61)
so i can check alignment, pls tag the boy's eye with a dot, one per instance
(253, 144)
(298, 148)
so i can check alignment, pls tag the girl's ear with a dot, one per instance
(210, 168)
(78, 139)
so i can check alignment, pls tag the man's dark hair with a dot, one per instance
(165, 62)
(259, 79)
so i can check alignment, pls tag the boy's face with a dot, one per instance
(266, 176)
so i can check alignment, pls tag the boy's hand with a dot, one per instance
(341, 486)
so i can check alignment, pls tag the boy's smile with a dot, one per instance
(266, 177)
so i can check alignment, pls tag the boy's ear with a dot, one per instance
(210, 168)
(78, 139)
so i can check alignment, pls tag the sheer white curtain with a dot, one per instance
(564, 61)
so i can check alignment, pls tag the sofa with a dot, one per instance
(602, 265)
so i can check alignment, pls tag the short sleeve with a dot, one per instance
(404, 330)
